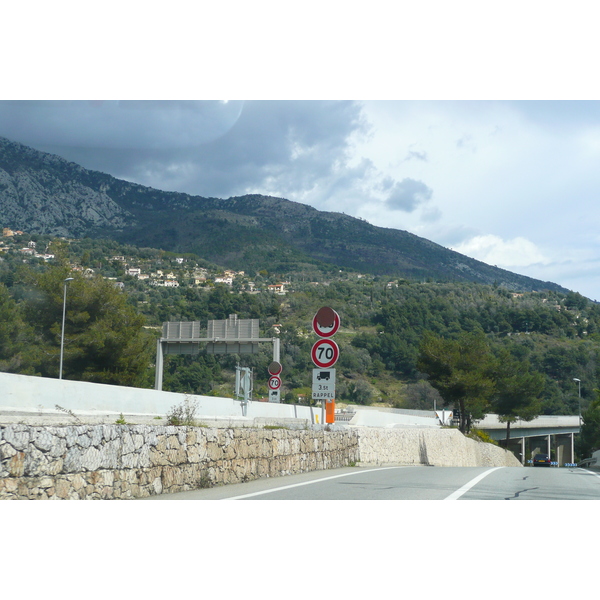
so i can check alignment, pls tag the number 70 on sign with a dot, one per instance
(325, 353)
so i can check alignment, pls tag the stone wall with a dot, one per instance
(133, 461)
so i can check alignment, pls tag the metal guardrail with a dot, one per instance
(344, 416)
(588, 462)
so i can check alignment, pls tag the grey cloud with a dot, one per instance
(466, 142)
(204, 148)
(454, 235)
(290, 144)
(408, 194)
(431, 215)
(114, 125)
(412, 154)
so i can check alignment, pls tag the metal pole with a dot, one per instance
(158, 377)
(579, 385)
(62, 334)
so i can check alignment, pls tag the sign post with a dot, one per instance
(324, 354)
(274, 384)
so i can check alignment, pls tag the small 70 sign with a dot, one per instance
(325, 353)
(274, 382)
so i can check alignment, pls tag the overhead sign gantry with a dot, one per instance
(230, 336)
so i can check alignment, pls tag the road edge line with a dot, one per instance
(293, 485)
(465, 488)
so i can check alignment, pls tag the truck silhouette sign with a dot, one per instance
(324, 375)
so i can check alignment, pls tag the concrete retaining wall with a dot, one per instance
(25, 398)
(438, 447)
(132, 461)
(40, 395)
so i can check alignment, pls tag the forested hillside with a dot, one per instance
(111, 329)
(44, 194)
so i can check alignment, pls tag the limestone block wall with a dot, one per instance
(133, 461)
(426, 446)
(92, 461)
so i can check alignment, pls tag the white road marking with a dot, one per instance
(287, 487)
(465, 488)
(592, 472)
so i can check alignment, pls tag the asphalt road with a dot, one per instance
(413, 483)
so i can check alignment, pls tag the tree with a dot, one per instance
(12, 332)
(589, 440)
(357, 392)
(104, 338)
(517, 390)
(459, 370)
(422, 396)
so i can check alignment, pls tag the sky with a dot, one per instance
(515, 184)
(474, 125)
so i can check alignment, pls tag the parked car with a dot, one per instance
(541, 460)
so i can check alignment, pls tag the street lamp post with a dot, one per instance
(62, 334)
(579, 384)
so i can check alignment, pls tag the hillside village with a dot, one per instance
(171, 272)
(166, 270)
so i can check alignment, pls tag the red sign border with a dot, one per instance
(269, 382)
(336, 350)
(278, 372)
(333, 331)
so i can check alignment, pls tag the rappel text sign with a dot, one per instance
(323, 384)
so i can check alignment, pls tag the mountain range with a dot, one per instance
(45, 194)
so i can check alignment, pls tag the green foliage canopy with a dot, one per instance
(104, 338)
(459, 369)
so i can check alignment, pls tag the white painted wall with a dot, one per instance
(26, 393)
(375, 418)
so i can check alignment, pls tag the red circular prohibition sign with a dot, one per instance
(326, 322)
(325, 353)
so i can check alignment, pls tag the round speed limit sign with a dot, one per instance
(274, 382)
(325, 353)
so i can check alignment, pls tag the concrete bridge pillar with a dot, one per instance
(565, 448)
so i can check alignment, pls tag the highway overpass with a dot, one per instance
(548, 434)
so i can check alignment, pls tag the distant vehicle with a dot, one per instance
(541, 460)
(324, 375)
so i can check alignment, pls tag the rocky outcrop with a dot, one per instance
(45, 194)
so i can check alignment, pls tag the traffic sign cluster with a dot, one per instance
(324, 354)
(274, 383)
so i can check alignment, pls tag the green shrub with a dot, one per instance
(481, 436)
(184, 413)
